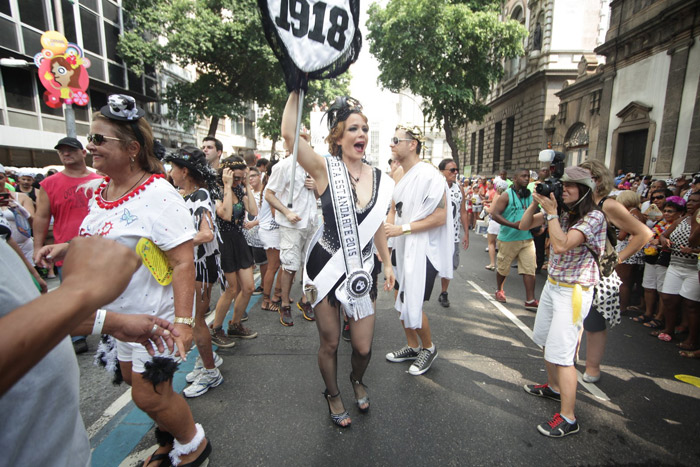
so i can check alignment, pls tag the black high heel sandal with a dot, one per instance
(337, 418)
(362, 401)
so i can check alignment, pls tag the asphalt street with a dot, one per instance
(469, 409)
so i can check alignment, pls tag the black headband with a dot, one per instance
(341, 109)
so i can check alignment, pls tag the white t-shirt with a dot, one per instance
(156, 212)
(456, 199)
(304, 201)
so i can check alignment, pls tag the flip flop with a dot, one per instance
(642, 319)
(662, 336)
(490, 268)
(686, 346)
(654, 324)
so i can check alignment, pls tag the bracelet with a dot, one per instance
(99, 321)
(406, 229)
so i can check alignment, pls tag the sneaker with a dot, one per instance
(557, 427)
(199, 367)
(219, 337)
(500, 296)
(542, 390)
(286, 316)
(423, 362)
(532, 305)
(307, 311)
(346, 332)
(245, 316)
(258, 291)
(401, 355)
(444, 301)
(206, 379)
(80, 346)
(241, 332)
(590, 379)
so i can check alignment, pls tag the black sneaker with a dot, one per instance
(444, 301)
(542, 390)
(346, 332)
(402, 355)
(258, 291)
(557, 427)
(423, 362)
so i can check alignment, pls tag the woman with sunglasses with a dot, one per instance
(236, 255)
(136, 206)
(681, 289)
(639, 234)
(656, 263)
(356, 196)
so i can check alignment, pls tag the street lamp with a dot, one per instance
(15, 63)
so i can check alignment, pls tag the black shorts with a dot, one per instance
(259, 255)
(207, 272)
(235, 252)
(594, 322)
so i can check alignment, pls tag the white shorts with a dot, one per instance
(494, 227)
(270, 238)
(293, 246)
(682, 279)
(654, 276)
(554, 327)
(138, 355)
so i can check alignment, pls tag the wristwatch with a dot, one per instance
(406, 229)
(549, 217)
(187, 321)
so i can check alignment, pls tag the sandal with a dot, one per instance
(202, 460)
(338, 418)
(642, 319)
(654, 324)
(687, 354)
(662, 336)
(163, 457)
(362, 401)
(686, 346)
(490, 268)
(271, 306)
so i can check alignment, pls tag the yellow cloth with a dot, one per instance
(576, 297)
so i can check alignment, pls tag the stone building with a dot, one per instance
(650, 102)
(519, 125)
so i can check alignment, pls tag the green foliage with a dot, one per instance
(319, 93)
(222, 39)
(447, 52)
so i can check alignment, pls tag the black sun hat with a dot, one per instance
(196, 161)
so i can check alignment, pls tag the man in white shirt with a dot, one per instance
(297, 225)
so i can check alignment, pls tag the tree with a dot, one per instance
(222, 39)
(448, 52)
(319, 93)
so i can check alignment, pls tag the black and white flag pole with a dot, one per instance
(296, 149)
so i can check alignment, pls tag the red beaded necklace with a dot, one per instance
(104, 204)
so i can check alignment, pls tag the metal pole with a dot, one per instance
(67, 108)
(296, 149)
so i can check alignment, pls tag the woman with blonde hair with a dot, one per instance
(639, 234)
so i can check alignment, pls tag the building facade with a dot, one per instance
(650, 110)
(29, 128)
(561, 34)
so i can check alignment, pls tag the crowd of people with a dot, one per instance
(196, 221)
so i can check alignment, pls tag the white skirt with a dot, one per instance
(270, 238)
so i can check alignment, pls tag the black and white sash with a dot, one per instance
(353, 292)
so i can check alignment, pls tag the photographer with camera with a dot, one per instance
(507, 210)
(577, 231)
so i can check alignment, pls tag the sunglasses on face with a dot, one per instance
(656, 198)
(98, 139)
(454, 170)
(395, 140)
(669, 211)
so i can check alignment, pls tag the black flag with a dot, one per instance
(312, 39)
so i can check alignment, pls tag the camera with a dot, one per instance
(556, 169)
